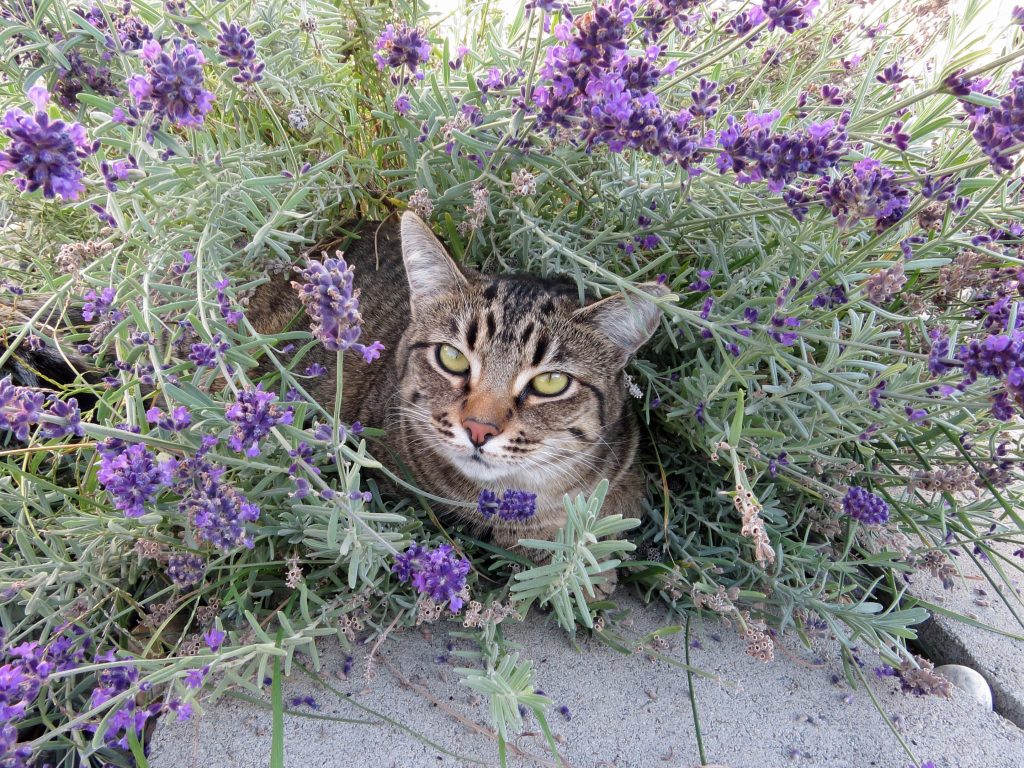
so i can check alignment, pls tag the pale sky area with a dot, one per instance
(991, 24)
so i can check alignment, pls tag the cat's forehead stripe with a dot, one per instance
(541, 349)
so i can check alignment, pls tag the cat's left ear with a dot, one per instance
(628, 321)
(429, 268)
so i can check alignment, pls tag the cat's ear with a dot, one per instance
(626, 320)
(429, 268)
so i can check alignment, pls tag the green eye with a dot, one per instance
(550, 384)
(451, 359)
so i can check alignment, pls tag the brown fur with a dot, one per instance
(511, 328)
(413, 298)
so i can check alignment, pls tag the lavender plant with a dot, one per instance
(833, 400)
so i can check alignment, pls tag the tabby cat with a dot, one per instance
(485, 382)
(490, 382)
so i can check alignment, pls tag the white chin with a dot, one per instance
(482, 470)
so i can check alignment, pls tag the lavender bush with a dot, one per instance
(833, 399)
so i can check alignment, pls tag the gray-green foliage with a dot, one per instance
(580, 558)
(239, 195)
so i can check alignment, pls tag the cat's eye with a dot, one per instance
(550, 384)
(451, 359)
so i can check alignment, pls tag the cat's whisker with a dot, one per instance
(549, 462)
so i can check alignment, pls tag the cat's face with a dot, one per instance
(509, 378)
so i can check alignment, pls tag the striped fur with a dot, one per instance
(413, 297)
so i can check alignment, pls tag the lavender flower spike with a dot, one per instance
(860, 504)
(402, 46)
(254, 414)
(173, 85)
(239, 52)
(514, 506)
(332, 303)
(47, 153)
(438, 573)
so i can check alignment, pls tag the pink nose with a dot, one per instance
(480, 431)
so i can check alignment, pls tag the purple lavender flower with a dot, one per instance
(69, 414)
(743, 24)
(778, 332)
(239, 51)
(876, 393)
(47, 153)
(114, 680)
(186, 569)
(654, 16)
(755, 153)
(893, 134)
(777, 462)
(791, 15)
(439, 573)
(1017, 15)
(206, 355)
(18, 689)
(869, 192)
(194, 678)
(705, 100)
(20, 408)
(132, 475)
(514, 506)
(217, 511)
(938, 355)
(231, 316)
(997, 130)
(940, 189)
(833, 297)
(80, 76)
(994, 356)
(315, 369)
(830, 95)
(11, 753)
(403, 105)
(915, 415)
(892, 75)
(175, 421)
(400, 45)
(254, 414)
(860, 504)
(701, 284)
(117, 170)
(409, 562)
(589, 81)
(332, 303)
(98, 304)
(129, 717)
(214, 639)
(705, 312)
(132, 32)
(172, 87)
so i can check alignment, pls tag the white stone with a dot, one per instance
(968, 680)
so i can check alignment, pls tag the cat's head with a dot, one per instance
(510, 377)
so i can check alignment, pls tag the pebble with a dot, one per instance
(968, 680)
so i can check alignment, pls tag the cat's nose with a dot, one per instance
(480, 431)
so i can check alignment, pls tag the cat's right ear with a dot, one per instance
(429, 268)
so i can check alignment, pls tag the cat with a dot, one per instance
(486, 382)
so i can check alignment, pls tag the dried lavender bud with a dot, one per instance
(885, 284)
